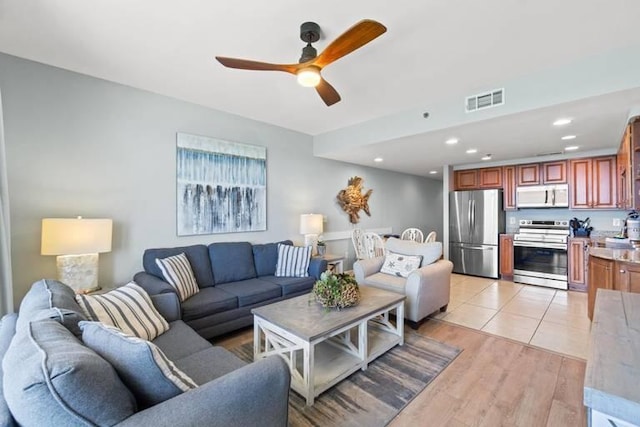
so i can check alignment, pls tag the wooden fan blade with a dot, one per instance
(355, 37)
(245, 64)
(327, 92)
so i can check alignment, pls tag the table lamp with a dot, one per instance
(76, 242)
(311, 227)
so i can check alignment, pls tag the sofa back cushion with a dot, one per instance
(51, 378)
(141, 365)
(265, 257)
(231, 261)
(52, 299)
(431, 252)
(198, 258)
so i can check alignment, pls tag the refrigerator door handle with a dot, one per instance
(473, 218)
(469, 219)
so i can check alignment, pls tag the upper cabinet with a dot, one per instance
(476, 179)
(593, 183)
(509, 187)
(528, 174)
(629, 167)
(542, 173)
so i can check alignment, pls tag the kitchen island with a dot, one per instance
(611, 391)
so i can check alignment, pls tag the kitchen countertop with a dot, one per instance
(625, 255)
(612, 373)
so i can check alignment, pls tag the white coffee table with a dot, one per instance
(322, 347)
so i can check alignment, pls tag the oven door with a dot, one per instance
(539, 263)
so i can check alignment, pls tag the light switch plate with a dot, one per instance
(617, 222)
(512, 221)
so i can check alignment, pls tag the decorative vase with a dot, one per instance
(336, 290)
(322, 249)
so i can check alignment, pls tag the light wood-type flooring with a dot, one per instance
(496, 380)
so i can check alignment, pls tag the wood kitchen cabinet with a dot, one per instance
(627, 277)
(509, 188)
(542, 173)
(625, 174)
(601, 275)
(528, 174)
(578, 263)
(478, 179)
(506, 256)
(593, 183)
(554, 172)
(466, 179)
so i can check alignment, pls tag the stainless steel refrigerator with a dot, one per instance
(476, 219)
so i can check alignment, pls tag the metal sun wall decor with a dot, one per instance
(352, 200)
(221, 186)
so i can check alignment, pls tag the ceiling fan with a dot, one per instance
(311, 64)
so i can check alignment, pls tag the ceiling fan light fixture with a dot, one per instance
(309, 76)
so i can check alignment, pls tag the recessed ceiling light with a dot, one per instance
(562, 122)
(571, 148)
(472, 151)
(378, 159)
(451, 141)
(487, 157)
(568, 137)
(433, 172)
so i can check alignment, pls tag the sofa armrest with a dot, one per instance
(256, 394)
(317, 266)
(152, 284)
(366, 267)
(168, 305)
(428, 288)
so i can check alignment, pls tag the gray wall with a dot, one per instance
(77, 145)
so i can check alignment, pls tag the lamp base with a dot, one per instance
(311, 240)
(80, 272)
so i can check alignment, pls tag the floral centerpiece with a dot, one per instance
(336, 290)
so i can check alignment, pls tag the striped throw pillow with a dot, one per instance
(177, 271)
(128, 308)
(141, 365)
(293, 261)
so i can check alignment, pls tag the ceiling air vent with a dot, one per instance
(484, 100)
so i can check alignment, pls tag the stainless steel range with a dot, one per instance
(540, 253)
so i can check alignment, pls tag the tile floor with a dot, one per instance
(543, 317)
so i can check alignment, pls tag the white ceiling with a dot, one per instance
(570, 58)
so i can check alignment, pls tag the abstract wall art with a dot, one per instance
(221, 186)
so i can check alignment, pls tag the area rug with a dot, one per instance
(375, 396)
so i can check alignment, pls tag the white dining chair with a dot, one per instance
(414, 234)
(431, 237)
(373, 245)
(358, 245)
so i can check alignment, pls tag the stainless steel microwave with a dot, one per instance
(543, 196)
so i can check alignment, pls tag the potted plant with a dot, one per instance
(321, 246)
(336, 290)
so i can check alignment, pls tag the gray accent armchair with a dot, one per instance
(427, 289)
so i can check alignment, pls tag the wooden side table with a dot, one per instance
(335, 263)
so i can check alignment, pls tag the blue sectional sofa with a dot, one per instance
(233, 278)
(49, 376)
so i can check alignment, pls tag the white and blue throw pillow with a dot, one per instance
(177, 271)
(141, 365)
(293, 261)
(128, 308)
(400, 265)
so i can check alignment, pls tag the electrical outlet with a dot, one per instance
(512, 221)
(617, 222)
(346, 254)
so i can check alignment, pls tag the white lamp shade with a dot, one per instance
(75, 236)
(310, 224)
